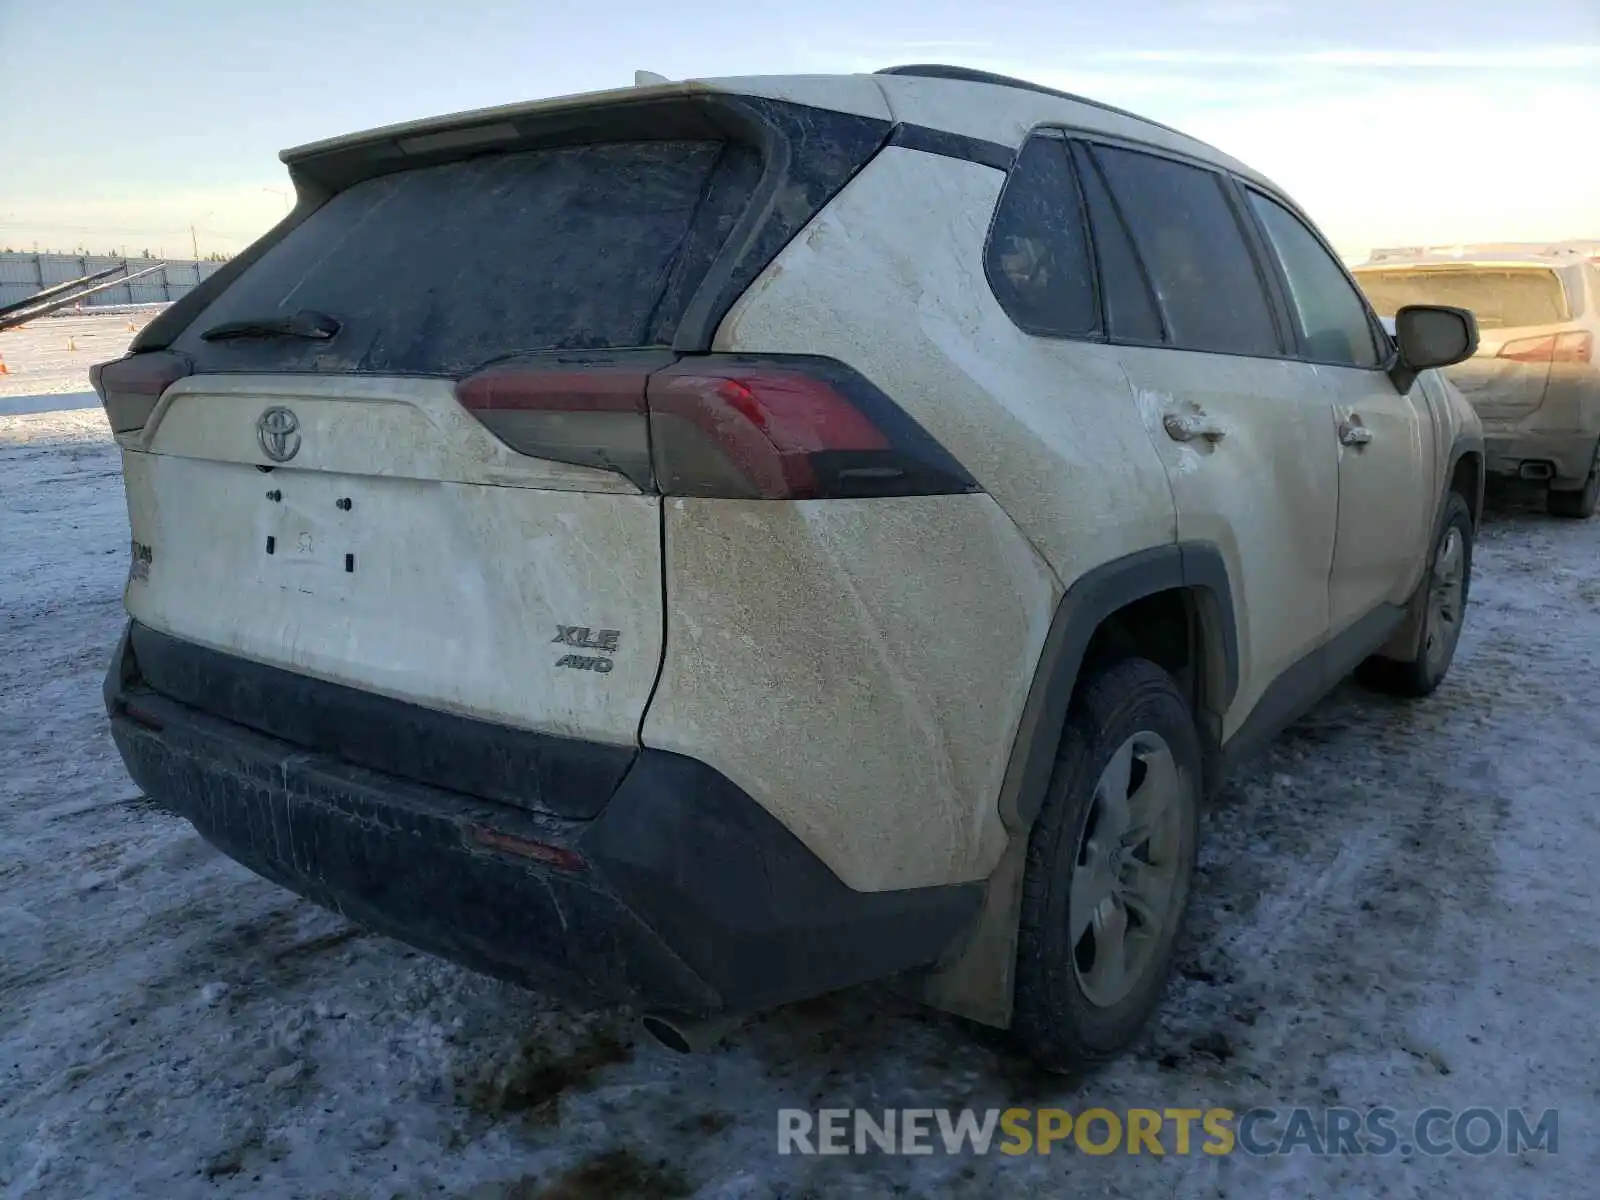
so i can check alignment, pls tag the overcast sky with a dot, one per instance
(1392, 122)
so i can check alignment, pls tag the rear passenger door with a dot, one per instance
(1384, 439)
(1244, 431)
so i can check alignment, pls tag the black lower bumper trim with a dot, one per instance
(690, 896)
(530, 770)
(399, 858)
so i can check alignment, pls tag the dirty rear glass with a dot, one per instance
(441, 269)
(1038, 259)
(1504, 299)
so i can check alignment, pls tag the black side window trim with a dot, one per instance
(1079, 144)
(1266, 264)
(1102, 330)
(1083, 159)
(928, 140)
(1382, 342)
(1257, 250)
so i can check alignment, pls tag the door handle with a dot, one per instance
(1185, 427)
(1354, 433)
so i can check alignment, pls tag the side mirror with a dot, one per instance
(1431, 335)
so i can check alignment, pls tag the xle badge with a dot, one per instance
(584, 638)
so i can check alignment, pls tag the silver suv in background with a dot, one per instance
(1535, 380)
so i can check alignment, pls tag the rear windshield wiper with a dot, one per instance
(307, 323)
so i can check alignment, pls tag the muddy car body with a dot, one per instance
(708, 544)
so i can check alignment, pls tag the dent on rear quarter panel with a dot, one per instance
(859, 667)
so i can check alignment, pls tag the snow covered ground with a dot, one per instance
(1397, 907)
(51, 355)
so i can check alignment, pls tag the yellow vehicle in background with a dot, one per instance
(1535, 380)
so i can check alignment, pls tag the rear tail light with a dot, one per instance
(585, 411)
(130, 387)
(790, 428)
(1574, 346)
(1529, 350)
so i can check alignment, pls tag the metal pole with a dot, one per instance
(18, 316)
(57, 289)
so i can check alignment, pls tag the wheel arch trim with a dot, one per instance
(1465, 443)
(1196, 567)
(1404, 641)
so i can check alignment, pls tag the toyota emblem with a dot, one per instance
(278, 431)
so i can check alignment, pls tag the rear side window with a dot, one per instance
(1037, 259)
(1500, 299)
(1331, 317)
(1205, 280)
(440, 269)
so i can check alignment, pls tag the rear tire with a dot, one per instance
(1578, 505)
(1444, 590)
(1111, 856)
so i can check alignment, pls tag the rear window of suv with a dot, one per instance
(1500, 299)
(438, 270)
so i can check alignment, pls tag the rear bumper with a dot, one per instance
(1570, 455)
(683, 893)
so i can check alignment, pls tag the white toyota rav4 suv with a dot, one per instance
(707, 544)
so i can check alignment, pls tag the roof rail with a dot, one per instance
(973, 75)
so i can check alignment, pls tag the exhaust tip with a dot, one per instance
(685, 1034)
(665, 1030)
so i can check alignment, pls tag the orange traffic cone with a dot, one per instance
(4, 370)
(72, 343)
